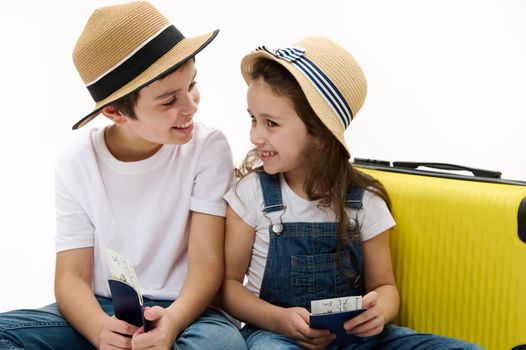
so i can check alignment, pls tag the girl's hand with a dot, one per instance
(294, 323)
(371, 321)
(116, 334)
(163, 334)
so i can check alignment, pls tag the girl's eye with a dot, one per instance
(270, 123)
(192, 85)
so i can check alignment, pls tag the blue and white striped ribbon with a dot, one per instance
(319, 80)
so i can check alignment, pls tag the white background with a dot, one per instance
(447, 83)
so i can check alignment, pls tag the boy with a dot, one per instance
(148, 186)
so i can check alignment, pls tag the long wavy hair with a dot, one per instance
(328, 171)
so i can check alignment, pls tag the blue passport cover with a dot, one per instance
(127, 304)
(334, 322)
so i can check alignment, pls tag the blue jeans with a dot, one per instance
(393, 337)
(46, 329)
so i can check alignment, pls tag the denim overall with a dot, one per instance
(301, 261)
(301, 267)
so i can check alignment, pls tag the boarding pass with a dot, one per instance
(328, 306)
(121, 268)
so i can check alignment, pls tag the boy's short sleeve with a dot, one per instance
(73, 169)
(74, 229)
(213, 175)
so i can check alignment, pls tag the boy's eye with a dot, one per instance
(169, 103)
(174, 99)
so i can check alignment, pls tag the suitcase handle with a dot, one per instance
(367, 161)
(446, 166)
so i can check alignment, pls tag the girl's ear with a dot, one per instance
(114, 114)
(316, 141)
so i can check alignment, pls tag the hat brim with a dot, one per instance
(177, 56)
(316, 101)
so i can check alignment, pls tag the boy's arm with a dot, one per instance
(74, 295)
(75, 298)
(205, 269)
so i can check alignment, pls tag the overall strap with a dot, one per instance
(270, 186)
(354, 198)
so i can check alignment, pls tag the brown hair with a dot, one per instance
(329, 172)
(127, 103)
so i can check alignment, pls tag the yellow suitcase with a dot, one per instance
(459, 251)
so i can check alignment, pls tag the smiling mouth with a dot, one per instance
(184, 126)
(267, 154)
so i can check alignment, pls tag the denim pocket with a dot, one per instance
(319, 277)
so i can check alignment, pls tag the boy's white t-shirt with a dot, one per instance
(246, 199)
(140, 209)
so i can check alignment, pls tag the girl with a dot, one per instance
(302, 223)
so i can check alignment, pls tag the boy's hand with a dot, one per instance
(369, 322)
(294, 323)
(163, 334)
(116, 334)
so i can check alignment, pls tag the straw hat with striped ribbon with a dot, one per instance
(330, 78)
(127, 46)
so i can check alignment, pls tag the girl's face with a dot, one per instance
(280, 136)
(165, 109)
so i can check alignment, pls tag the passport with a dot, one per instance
(127, 304)
(126, 297)
(332, 313)
(334, 322)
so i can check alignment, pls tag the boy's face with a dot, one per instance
(165, 109)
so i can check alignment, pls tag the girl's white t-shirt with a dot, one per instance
(140, 209)
(246, 199)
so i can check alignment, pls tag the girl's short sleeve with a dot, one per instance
(375, 216)
(244, 198)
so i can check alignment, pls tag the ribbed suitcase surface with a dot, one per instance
(459, 260)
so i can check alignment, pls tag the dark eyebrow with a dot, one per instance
(170, 93)
(275, 117)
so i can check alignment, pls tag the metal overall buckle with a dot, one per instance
(277, 228)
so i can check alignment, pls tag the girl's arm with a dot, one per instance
(247, 307)
(382, 298)
(236, 299)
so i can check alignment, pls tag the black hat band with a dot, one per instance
(134, 65)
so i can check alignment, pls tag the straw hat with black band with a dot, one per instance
(127, 46)
(330, 78)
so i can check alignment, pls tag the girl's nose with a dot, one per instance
(256, 136)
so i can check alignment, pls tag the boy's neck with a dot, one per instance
(124, 148)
